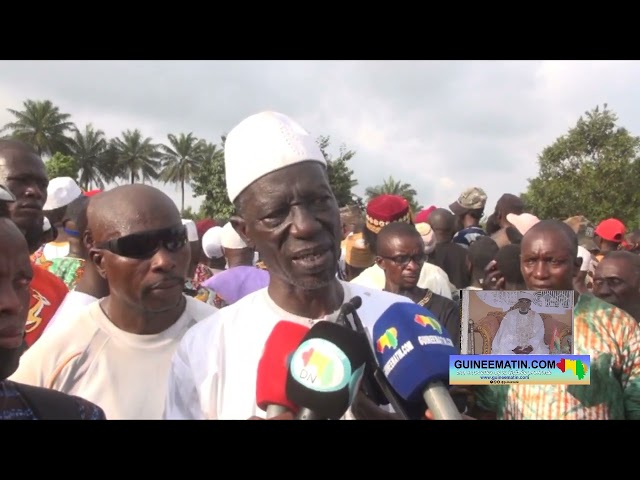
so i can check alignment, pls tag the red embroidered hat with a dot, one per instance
(385, 209)
(611, 229)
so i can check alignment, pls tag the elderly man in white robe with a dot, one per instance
(277, 179)
(521, 331)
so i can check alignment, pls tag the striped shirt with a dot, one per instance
(612, 339)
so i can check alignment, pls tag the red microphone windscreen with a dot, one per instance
(274, 365)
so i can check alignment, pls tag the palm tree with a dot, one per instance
(136, 158)
(90, 148)
(42, 125)
(394, 187)
(181, 160)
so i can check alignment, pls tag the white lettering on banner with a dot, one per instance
(399, 355)
(434, 340)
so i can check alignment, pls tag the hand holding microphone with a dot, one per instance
(413, 349)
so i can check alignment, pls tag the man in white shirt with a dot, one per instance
(521, 331)
(116, 352)
(277, 179)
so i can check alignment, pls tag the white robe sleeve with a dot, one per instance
(537, 341)
(193, 375)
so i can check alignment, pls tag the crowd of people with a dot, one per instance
(115, 307)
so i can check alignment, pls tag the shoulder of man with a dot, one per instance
(48, 404)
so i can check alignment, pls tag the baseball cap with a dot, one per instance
(61, 192)
(584, 230)
(473, 198)
(612, 230)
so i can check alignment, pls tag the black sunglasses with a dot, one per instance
(144, 245)
(404, 260)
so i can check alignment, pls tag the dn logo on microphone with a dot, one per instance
(320, 365)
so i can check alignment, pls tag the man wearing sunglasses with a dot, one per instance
(116, 352)
(277, 179)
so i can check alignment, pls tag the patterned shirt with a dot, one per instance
(468, 235)
(13, 405)
(612, 339)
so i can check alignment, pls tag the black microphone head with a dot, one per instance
(326, 369)
(356, 302)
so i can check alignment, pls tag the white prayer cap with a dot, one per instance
(46, 224)
(526, 296)
(61, 192)
(211, 245)
(584, 254)
(6, 195)
(192, 231)
(263, 143)
(229, 238)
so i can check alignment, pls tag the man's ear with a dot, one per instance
(240, 226)
(380, 262)
(95, 254)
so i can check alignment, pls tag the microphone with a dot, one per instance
(413, 349)
(348, 308)
(273, 367)
(375, 384)
(325, 371)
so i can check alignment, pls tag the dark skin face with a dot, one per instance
(24, 174)
(401, 257)
(547, 261)
(145, 294)
(15, 277)
(293, 220)
(616, 280)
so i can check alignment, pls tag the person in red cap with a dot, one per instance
(380, 212)
(608, 237)
(423, 215)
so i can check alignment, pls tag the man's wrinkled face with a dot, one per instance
(292, 218)
(617, 282)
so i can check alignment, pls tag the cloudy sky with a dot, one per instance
(439, 125)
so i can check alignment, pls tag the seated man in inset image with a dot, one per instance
(521, 331)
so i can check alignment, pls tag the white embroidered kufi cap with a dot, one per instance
(263, 143)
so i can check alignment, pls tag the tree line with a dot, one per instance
(589, 171)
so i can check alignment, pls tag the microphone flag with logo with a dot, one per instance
(412, 348)
(325, 371)
(274, 365)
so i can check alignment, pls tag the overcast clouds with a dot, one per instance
(441, 126)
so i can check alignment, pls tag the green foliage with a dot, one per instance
(340, 175)
(189, 214)
(62, 166)
(390, 186)
(592, 171)
(210, 182)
